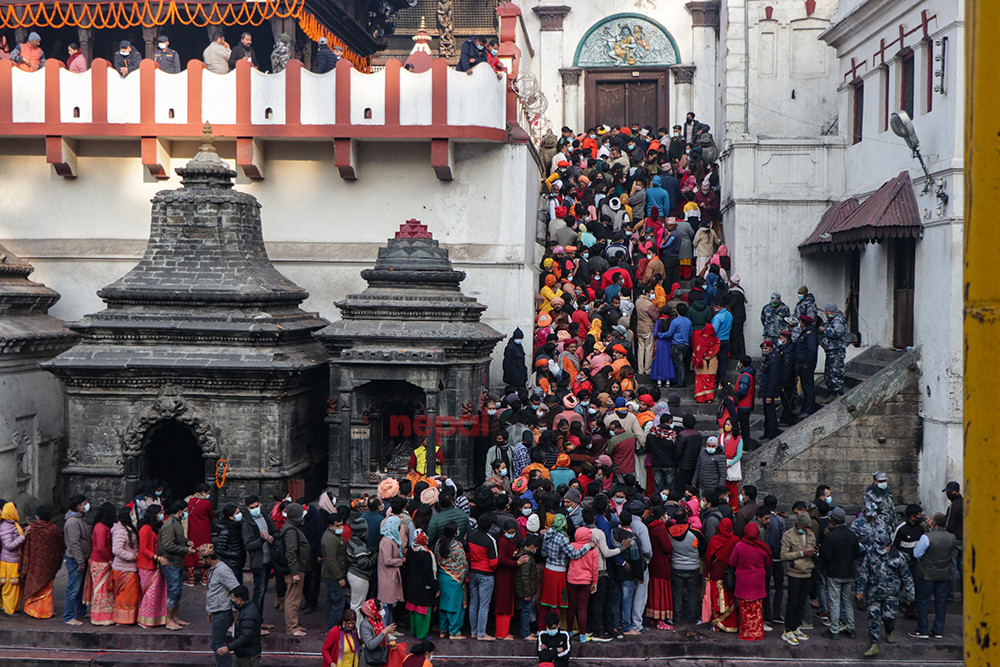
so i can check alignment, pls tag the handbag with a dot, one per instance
(729, 579)
(734, 473)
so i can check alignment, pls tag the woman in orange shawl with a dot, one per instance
(704, 360)
(720, 549)
(42, 557)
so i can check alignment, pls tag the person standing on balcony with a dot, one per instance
(165, 57)
(127, 59)
(326, 60)
(77, 62)
(216, 54)
(473, 53)
(281, 53)
(243, 51)
(29, 56)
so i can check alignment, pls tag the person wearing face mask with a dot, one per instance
(228, 540)
(334, 571)
(77, 539)
(153, 606)
(222, 582)
(515, 370)
(127, 59)
(165, 57)
(200, 517)
(174, 547)
(258, 533)
(878, 498)
(798, 547)
(500, 451)
(499, 477)
(883, 578)
(246, 630)
(710, 471)
(473, 53)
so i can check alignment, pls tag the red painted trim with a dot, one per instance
(343, 158)
(343, 101)
(195, 72)
(54, 156)
(441, 158)
(439, 92)
(147, 91)
(242, 92)
(293, 93)
(151, 159)
(392, 93)
(52, 92)
(6, 92)
(99, 94)
(244, 159)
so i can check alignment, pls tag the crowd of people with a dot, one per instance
(219, 57)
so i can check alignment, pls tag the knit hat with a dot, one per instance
(573, 495)
(689, 420)
(533, 524)
(618, 347)
(735, 279)
(830, 306)
(562, 461)
(803, 290)
(838, 514)
(388, 488)
(775, 296)
(294, 510)
(803, 520)
(285, 37)
(570, 401)
(620, 402)
(429, 496)
(635, 507)
(674, 399)
(712, 440)
(34, 37)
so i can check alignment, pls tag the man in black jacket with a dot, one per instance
(473, 53)
(839, 553)
(243, 50)
(246, 631)
(785, 350)
(298, 557)
(258, 536)
(689, 442)
(805, 363)
(326, 61)
(228, 541)
(515, 372)
(770, 388)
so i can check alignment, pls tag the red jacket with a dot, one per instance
(483, 557)
(659, 567)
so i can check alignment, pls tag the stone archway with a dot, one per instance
(172, 408)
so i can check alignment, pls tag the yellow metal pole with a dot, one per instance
(982, 334)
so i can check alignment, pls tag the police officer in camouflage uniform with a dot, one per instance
(866, 526)
(834, 343)
(878, 497)
(883, 579)
(772, 317)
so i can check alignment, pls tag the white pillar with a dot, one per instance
(682, 101)
(549, 59)
(572, 99)
(704, 40)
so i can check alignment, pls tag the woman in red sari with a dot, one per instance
(97, 590)
(752, 559)
(660, 603)
(720, 550)
(704, 360)
(153, 607)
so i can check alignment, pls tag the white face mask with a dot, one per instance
(159, 517)
(510, 536)
(86, 507)
(526, 511)
(883, 485)
(255, 512)
(163, 45)
(284, 514)
(238, 517)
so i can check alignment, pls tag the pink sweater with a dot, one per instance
(583, 570)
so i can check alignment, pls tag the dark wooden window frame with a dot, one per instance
(858, 112)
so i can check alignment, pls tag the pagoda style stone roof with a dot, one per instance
(26, 328)
(205, 297)
(413, 309)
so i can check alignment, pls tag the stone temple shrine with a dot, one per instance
(203, 364)
(410, 357)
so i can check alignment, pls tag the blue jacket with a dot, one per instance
(673, 188)
(770, 375)
(723, 324)
(326, 61)
(658, 197)
(470, 52)
(806, 347)
(679, 332)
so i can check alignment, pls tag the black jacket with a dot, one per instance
(253, 541)
(132, 61)
(228, 544)
(168, 60)
(839, 552)
(326, 60)
(470, 53)
(786, 361)
(421, 584)
(737, 302)
(806, 347)
(662, 447)
(770, 376)
(689, 443)
(240, 52)
(246, 632)
(515, 370)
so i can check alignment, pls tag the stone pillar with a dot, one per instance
(432, 437)
(340, 445)
(132, 474)
(85, 37)
(550, 59)
(704, 39)
(572, 99)
(682, 100)
(149, 36)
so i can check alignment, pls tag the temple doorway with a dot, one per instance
(174, 456)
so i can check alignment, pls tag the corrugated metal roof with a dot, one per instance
(891, 212)
(831, 218)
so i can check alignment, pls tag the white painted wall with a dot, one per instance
(84, 233)
(123, 97)
(75, 95)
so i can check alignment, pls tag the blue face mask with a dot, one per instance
(552, 631)
(185, 515)
(802, 296)
(479, 47)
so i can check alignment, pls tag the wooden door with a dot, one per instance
(619, 98)
(904, 279)
(854, 294)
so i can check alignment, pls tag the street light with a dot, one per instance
(902, 127)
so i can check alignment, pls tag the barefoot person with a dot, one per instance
(174, 547)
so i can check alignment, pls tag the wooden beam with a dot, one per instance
(250, 157)
(61, 154)
(156, 156)
(443, 159)
(345, 157)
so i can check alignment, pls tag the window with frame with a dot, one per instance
(858, 119)
(907, 83)
(929, 49)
